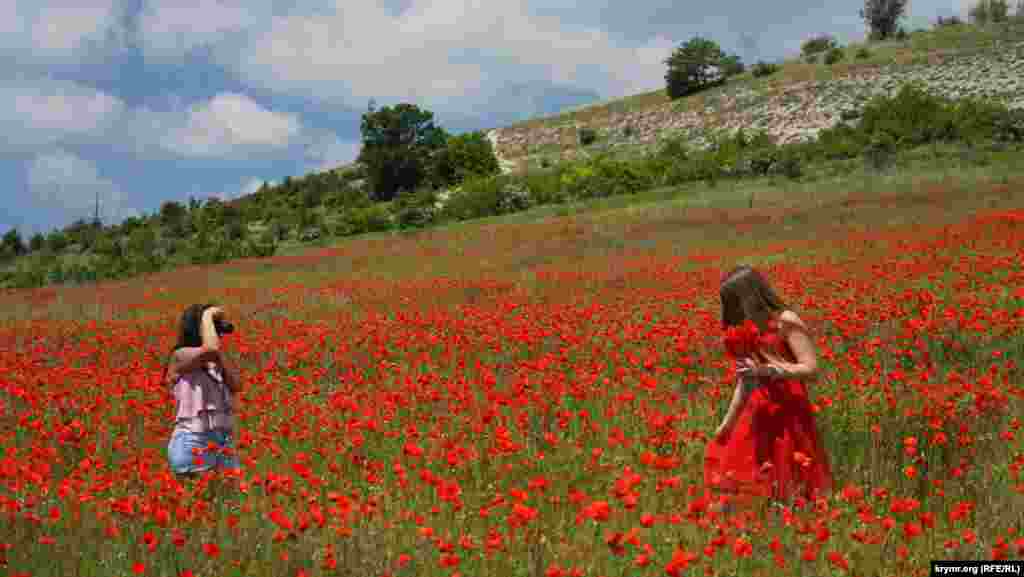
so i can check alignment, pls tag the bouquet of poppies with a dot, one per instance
(743, 341)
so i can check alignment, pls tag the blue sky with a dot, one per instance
(145, 101)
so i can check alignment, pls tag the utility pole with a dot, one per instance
(96, 216)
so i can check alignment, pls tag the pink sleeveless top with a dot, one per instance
(204, 402)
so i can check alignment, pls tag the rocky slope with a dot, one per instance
(796, 111)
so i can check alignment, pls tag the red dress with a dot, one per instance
(774, 449)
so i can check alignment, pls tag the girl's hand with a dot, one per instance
(723, 431)
(751, 368)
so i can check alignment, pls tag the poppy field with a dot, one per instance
(533, 399)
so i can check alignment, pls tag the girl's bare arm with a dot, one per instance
(795, 332)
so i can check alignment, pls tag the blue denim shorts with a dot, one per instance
(182, 459)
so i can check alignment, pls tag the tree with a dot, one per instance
(881, 16)
(986, 11)
(697, 64)
(37, 242)
(465, 155)
(173, 215)
(12, 244)
(399, 144)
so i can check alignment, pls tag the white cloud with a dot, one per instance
(451, 56)
(228, 125)
(331, 152)
(170, 30)
(68, 184)
(56, 30)
(42, 111)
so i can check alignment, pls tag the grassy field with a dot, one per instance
(531, 394)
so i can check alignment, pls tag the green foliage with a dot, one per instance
(989, 12)
(464, 156)
(602, 176)
(834, 55)
(818, 44)
(415, 209)
(587, 136)
(361, 220)
(11, 245)
(862, 53)
(545, 187)
(696, 65)
(882, 17)
(880, 150)
(481, 197)
(37, 242)
(762, 69)
(400, 144)
(731, 65)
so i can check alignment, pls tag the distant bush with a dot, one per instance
(587, 136)
(482, 197)
(361, 220)
(603, 176)
(762, 69)
(816, 45)
(880, 150)
(834, 55)
(465, 155)
(415, 209)
(862, 53)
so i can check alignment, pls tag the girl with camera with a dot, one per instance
(202, 383)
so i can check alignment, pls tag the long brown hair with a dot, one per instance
(746, 294)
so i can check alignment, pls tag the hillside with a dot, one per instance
(796, 102)
(544, 163)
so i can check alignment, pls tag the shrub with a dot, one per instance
(834, 55)
(415, 209)
(911, 117)
(361, 220)
(482, 197)
(544, 187)
(862, 53)
(817, 45)
(587, 136)
(763, 69)
(465, 155)
(880, 151)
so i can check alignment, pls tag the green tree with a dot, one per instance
(400, 144)
(12, 245)
(986, 11)
(695, 65)
(464, 156)
(882, 16)
(37, 242)
(172, 216)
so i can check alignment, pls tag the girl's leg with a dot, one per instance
(225, 461)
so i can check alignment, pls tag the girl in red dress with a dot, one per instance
(767, 445)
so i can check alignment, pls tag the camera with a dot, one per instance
(223, 327)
